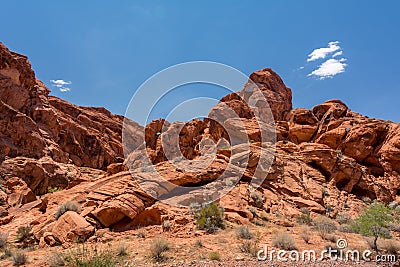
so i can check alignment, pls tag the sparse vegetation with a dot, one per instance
(122, 250)
(56, 260)
(157, 249)
(67, 206)
(214, 256)
(306, 236)
(325, 226)
(345, 228)
(24, 233)
(374, 222)
(90, 257)
(264, 216)
(391, 247)
(249, 247)
(141, 234)
(198, 243)
(243, 232)
(343, 218)
(258, 222)
(284, 241)
(3, 239)
(305, 217)
(6, 254)
(19, 258)
(210, 217)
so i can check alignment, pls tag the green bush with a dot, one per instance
(67, 206)
(210, 217)
(374, 221)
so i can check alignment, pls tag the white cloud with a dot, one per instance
(339, 53)
(324, 51)
(61, 85)
(329, 68)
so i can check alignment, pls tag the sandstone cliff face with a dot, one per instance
(36, 125)
(326, 160)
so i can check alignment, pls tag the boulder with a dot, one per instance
(71, 227)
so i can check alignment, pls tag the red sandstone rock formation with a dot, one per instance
(326, 157)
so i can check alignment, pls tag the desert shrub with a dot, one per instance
(122, 250)
(374, 222)
(3, 239)
(249, 247)
(304, 217)
(345, 228)
(394, 226)
(24, 233)
(6, 254)
(306, 236)
(243, 232)
(157, 249)
(264, 216)
(257, 199)
(331, 237)
(198, 243)
(284, 241)
(214, 256)
(210, 217)
(141, 234)
(258, 222)
(90, 257)
(391, 247)
(56, 260)
(19, 258)
(67, 206)
(343, 218)
(324, 226)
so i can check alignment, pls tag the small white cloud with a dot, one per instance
(324, 51)
(61, 85)
(329, 68)
(339, 53)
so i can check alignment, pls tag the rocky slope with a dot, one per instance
(327, 159)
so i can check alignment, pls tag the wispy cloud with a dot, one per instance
(321, 53)
(61, 85)
(329, 68)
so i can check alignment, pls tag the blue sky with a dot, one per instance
(108, 49)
